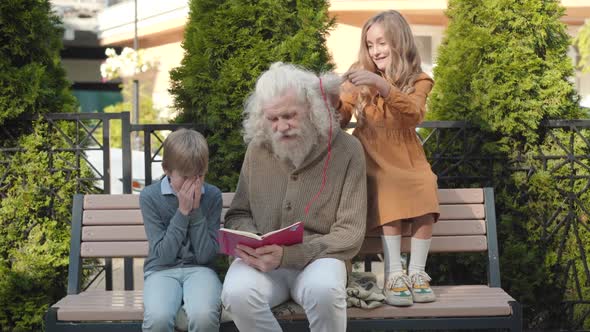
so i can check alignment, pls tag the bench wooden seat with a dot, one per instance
(473, 301)
(112, 226)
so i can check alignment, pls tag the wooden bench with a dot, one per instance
(106, 226)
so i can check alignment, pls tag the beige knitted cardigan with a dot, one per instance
(272, 195)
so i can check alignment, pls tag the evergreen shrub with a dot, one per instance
(228, 44)
(37, 182)
(503, 66)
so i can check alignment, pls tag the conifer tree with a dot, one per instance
(503, 66)
(36, 188)
(31, 76)
(228, 44)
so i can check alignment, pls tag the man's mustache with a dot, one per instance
(290, 133)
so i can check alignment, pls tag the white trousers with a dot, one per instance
(320, 288)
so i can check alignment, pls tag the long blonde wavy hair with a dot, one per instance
(404, 68)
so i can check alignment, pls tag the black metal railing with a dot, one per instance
(455, 149)
(90, 136)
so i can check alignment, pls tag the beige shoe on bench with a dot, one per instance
(421, 291)
(397, 291)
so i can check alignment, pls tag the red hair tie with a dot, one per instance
(324, 176)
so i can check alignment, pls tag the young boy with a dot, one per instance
(181, 214)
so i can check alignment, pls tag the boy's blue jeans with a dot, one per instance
(197, 289)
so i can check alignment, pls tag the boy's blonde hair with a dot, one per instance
(185, 151)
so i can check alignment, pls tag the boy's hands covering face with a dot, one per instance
(189, 195)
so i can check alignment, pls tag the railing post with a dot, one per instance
(147, 156)
(106, 155)
(126, 153)
(127, 188)
(106, 176)
(492, 235)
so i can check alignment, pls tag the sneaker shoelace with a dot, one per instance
(420, 278)
(398, 280)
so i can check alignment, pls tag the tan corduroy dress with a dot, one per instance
(400, 182)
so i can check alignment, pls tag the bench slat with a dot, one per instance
(124, 209)
(112, 217)
(128, 201)
(372, 245)
(114, 249)
(462, 211)
(444, 227)
(133, 216)
(137, 232)
(460, 196)
(452, 301)
(118, 217)
(114, 233)
(469, 243)
(445, 196)
(96, 202)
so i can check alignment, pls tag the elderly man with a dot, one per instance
(299, 166)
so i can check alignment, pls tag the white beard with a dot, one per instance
(295, 150)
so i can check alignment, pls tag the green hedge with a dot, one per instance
(228, 44)
(36, 186)
(503, 66)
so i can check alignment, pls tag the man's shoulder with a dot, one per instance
(257, 151)
(257, 145)
(349, 142)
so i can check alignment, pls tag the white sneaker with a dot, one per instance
(397, 291)
(421, 290)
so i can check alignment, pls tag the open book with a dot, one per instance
(230, 238)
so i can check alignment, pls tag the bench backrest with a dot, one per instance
(108, 226)
(111, 226)
(467, 223)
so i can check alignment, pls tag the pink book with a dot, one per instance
(230, 238)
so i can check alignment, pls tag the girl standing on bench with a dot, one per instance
(386, 90)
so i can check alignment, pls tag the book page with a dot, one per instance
(279, 230)
(243, 233)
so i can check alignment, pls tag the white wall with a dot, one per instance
(168, 57)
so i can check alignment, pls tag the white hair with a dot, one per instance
(276, 82)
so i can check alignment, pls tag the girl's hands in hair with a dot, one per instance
(365, 77)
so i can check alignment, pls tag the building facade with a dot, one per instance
(160, 29)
